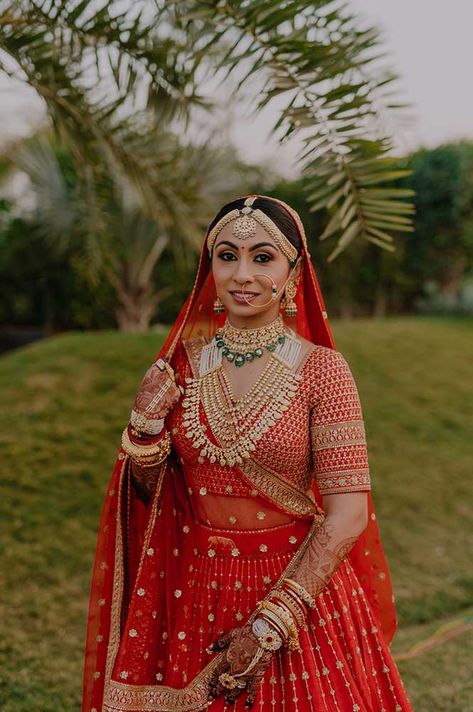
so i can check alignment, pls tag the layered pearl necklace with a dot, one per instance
(238, 424)
(240, 346)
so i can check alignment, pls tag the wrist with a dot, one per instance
(295, 589)
(147, 453)
(141, 426)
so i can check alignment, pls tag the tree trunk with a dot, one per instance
(135, 310)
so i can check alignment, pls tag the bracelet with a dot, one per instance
(142, 424)
(276, 623)
(296, 611)
(305, 595)
(158, 451)
(290, 594)
(282, 604)
(287, 619)
(268, 638)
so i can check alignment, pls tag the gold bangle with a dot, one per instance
(276, 622)
(287, 619)
(297, 610)
(138, 452)
(141, 424)
(305, 595)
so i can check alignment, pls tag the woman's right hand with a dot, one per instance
(158, 392)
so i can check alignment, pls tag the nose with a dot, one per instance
(243, 272)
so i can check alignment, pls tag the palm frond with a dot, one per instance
(316, 57)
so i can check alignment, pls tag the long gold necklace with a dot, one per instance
(239, 424)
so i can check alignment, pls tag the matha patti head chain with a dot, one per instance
(246, 221)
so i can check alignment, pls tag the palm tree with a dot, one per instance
(127, 243)
(95, 64)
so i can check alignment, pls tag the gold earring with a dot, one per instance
(218, 306)
(290, 307)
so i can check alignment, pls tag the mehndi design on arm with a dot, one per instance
(322, 558)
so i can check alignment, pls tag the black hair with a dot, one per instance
(279, 215)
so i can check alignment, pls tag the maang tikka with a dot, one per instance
(246, 223)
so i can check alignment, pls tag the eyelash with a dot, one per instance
(222, 256)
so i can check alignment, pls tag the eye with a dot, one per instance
(263, 257)
(226, 256)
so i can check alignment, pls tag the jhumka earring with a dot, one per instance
(218, 306)
(290, 307)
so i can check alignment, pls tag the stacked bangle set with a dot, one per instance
(284, 613)
(277, 623)
(147, 455)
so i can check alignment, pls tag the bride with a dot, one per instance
(238, 559)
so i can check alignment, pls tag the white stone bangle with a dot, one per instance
(150, 426)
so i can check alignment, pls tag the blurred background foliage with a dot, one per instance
(118, 195)
(56, 275)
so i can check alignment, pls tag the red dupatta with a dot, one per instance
(126, 522)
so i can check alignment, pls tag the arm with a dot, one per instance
(340, 460)
(145, 439)
(346, 518)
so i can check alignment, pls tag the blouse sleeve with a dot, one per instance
(339, 453)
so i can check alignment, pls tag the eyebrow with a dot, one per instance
(255, 247)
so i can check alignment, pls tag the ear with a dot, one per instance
(297, 269)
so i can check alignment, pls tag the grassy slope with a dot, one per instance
(68, 400)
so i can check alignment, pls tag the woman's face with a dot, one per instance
(254, 264)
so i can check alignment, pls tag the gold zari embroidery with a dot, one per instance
(338, 435)
(120, 697)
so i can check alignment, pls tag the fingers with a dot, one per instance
(232, 696)
(253, 687)
(222, 641)
(215, 687)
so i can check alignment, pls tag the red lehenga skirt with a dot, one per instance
(344, 664)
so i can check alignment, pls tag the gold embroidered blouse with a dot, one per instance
(307, 422)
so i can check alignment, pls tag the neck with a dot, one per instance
(254, 321)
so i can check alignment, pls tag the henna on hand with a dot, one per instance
(243, 647)
(157, 394)
(145, 479)
(324, 555)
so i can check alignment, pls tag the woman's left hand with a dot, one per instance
(242, 647)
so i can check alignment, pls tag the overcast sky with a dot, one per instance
(430, 45)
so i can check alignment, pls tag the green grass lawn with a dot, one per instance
(65, 403)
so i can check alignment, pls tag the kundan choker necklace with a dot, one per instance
(240, 346)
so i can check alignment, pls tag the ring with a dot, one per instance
(228, 681)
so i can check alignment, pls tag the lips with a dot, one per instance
(243, 297)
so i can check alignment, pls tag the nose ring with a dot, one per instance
(274, 290)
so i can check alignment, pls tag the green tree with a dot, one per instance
(442, 252)
(128, 258)
(95, 63)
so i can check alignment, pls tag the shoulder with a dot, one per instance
(325, 369)
(187, 354)
(322, 358)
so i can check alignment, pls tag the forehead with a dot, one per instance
(260, 236)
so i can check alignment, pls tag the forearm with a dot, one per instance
(329, 546)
